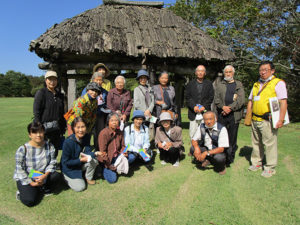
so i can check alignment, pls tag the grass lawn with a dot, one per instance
(165, 195)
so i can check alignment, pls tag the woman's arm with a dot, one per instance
(66, 157)
(20, 173)
(177, 137)
(52, 164)
(38, 106)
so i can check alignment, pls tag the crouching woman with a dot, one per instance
(137, 136)
(168, 139)
(36, 155)
(111, 144)
(77, 156)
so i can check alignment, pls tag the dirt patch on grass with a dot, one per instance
(287, 161)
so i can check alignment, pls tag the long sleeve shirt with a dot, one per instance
(40, 159)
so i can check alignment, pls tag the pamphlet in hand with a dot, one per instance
(153, 119)
(143, 153)
(85, 155)
(126, 149)
(275, 112)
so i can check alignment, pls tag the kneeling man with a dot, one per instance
(209, 142)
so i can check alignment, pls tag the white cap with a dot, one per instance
(50, 73)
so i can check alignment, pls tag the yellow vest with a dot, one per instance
(106, 84)
(262, 106)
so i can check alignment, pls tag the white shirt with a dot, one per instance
(222, 140)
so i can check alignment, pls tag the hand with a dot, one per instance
(35, 184)
(197, 154)
(40, 179)
(196, 109)
(168, 146)
(279, 124)
(203, 156)
(125, 154)
(226, 109)
(147, 113)
(176, 116)
(101, 154)
(202, 109)
(84, 159)
(160, 102)
(123, 117)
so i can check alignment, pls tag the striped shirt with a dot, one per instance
(40, 159)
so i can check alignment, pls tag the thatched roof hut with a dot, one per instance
(129, 37)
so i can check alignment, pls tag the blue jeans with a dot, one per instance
(131, 157)
(109, 175)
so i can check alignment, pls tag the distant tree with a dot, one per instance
(5, 85)
(20, 84)
(36, 83)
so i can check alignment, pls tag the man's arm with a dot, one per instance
(283, 109)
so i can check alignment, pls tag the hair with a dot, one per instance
(103, 68)
(200, 65)
(120, 76)
(229, 66)
(210, 112)
(162, 73)
(35, 127)
(111, 115)
(267, 63)
(95, 75)
(75, 121)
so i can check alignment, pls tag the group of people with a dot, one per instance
(104, 113)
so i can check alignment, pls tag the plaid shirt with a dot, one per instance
(40, 159)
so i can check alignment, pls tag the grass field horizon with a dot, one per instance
(164, 195)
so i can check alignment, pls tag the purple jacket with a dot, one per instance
(122, 102)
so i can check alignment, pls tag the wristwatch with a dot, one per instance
(208, 154)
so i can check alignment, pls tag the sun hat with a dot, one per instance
(93, 86)
(165, 116)
(50, 73)
(142, 73)
(98, 65)
(138, 114)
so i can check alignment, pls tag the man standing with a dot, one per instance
(230, 100)
(263, 134)
(198, 92)
(209, 142)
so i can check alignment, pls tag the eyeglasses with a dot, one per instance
(264, 70)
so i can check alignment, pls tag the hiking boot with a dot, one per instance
(268, 173)
(17, 195)
(176, 163)
(223, 172)
(91, 182)
(254, 168)
(163, 162)
(205, 163)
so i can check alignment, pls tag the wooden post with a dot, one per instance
(179, 96)
(152, 74)
(71, 89)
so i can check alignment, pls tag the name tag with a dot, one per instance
(256, 98)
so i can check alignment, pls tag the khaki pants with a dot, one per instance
(263, 135)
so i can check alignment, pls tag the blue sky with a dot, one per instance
(25, 20)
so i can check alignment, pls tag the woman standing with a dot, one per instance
(39, 155)
(164, 96)
(111, 143)
(48, 109)
(101, 68)
(168, 140)
(77, 155)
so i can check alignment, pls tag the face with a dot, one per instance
(228, 72)
(80, 130)
(200, 72)
(101, 70)
(37, 137)
(120, 84)
(51, 82)
(209, 120)
(113, 122)
(93, 93)
(265, 71)
(98, 80)
(138, 122)
(143, 80)
(166, 124)
(164, 78)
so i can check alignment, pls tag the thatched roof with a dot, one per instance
(119, 33)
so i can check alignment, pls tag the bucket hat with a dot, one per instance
(138, 114)
(142, 73)
(165, 116)
(98, 65)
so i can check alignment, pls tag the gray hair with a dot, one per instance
(229, 66)
(112, 114)
(210, 112)
(202, 66)
(120, 76)
(97, 74)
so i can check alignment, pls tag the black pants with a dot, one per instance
(170, 156)
(232, 129)
(30, 196)
(217, 160)
(99, 125)
(55, 139)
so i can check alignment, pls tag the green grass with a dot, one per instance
(165, 195)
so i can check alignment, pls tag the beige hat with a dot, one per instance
(96, 67)
(50, 73)
(165, 116)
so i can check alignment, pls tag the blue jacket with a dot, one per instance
(129, 137)
(70, 162)
(104, 97)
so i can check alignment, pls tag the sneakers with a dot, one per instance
(163, 162)
(91, 182)
(268, 173)
(176, 163)
(17, 195)
(254, 168)
(205, 163)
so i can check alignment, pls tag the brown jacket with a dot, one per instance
(122, 102)
(175, 135)
(108, 141)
